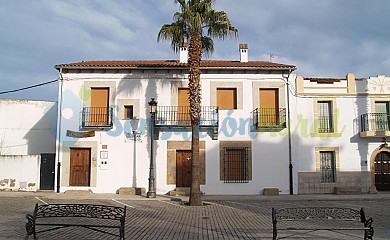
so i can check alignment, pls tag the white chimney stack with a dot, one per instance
(243, 52)
(184, 53)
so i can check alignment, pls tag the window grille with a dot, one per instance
(236, 167)
(327, 167)
(325, 117)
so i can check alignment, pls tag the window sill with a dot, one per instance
(326, 135)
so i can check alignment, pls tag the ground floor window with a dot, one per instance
(236, 165)
(327, 166)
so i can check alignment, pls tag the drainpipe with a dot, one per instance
(58, 142)
(290, 166)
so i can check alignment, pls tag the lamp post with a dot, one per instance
(153, 110)
(135, 137)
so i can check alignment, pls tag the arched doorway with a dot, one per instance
(382, 171)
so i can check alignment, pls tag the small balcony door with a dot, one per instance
(99, 106)
(269, 106)
(183, 111)
(382, 116)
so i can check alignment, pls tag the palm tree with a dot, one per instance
(196, 23)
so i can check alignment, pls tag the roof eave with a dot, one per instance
(58, 67)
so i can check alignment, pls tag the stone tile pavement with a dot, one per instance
(222, 217)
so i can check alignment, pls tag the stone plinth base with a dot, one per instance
(271, 191)
(89, 191)
(347, 190)
(131, 191)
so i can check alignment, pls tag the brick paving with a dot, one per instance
(222, 217)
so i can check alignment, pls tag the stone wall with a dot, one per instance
(309, 182)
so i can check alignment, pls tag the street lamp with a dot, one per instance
(153, 110)
(135, 137)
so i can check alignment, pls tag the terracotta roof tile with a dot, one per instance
(325, 80)
(173, 64)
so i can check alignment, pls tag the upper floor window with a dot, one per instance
(129, 112)
(382, 115)
(269, 112)
(128, 108)
(227, 98)
(98, 114)
(325, 116)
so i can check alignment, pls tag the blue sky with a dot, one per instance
(328, 38)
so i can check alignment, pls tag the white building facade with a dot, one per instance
(243, 138)
(107, 138)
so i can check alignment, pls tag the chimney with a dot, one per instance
(243, 52)
(184, 53)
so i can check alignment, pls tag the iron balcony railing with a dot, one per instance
(97, 117)
(375, 122)
(179, 116)
(325, 124)
(269, 117)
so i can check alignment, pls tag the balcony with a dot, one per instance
(96, 117)
(178, 118)
(375, 125)
(269, 119)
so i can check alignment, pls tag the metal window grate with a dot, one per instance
(236, 167)
(327, 167)
(325, 120)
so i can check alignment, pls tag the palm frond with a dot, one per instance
(197, 17)
(207, 46)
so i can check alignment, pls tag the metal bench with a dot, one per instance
(319, 216)
(113, 218)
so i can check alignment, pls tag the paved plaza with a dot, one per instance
(222, 217)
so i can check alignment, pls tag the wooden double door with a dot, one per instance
(80, 167)
(382, 171)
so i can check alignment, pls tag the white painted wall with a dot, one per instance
(19, 172)
(27, 127)
(270, 150)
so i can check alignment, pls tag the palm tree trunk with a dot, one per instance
(195, 55)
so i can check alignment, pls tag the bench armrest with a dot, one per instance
(30, 225)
